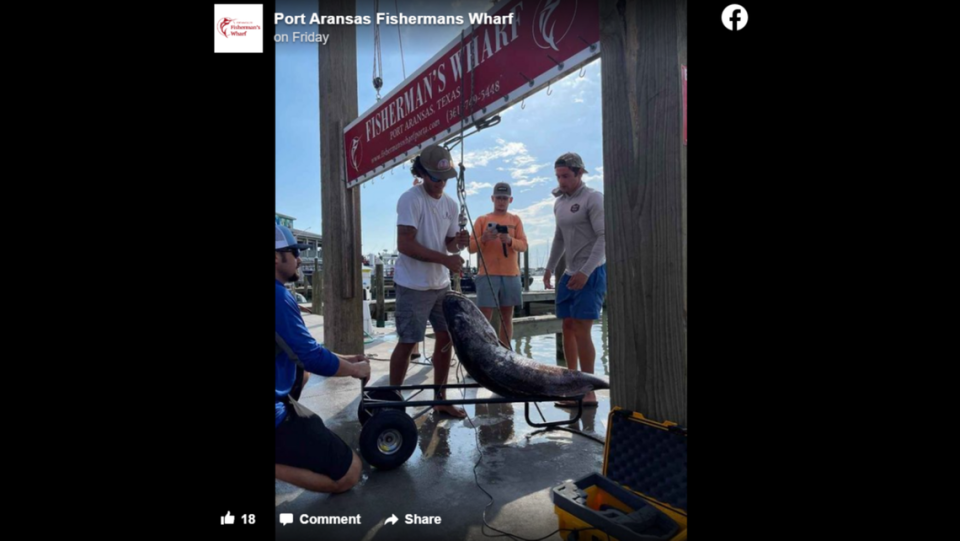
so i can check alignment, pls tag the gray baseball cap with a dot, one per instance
(502, 188)
(570, 159)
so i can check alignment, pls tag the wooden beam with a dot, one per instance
(340, 207)
(532, 326)
(643, 167)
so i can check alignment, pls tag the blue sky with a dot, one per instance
(520, 150)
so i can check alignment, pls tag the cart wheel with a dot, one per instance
(364, 414)
(388, 439)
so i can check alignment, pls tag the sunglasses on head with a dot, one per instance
(431, 177)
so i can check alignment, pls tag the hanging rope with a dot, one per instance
(377, 57)
(461, 178)
(402, 63)
(477, 124)
(480, 125)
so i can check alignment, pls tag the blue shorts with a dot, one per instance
(505, 289)
(585, 303)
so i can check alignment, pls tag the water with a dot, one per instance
(543, 348)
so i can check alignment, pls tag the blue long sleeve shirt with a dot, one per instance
(315, 358)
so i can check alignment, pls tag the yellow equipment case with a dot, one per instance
(642, 493)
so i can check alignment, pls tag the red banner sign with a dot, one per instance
(533, 43)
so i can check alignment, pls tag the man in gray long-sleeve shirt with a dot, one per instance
(580, 292)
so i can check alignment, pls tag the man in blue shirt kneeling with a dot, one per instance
(308, 454)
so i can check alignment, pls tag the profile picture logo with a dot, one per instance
(734, 17)
(222, 26)
(238, 28)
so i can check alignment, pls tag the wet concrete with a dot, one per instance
(519, 464)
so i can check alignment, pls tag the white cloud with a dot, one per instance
(532, 182)
(473, 188)
(595, 180)
(540, 209)
(538, 221)
(481, 158)
(523, 159)
(514, 155)
(521, 173)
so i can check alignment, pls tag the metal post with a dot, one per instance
(380, 293)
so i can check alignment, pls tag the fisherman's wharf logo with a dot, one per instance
(235, 27)
(238, 28)
(356, 153)
(550, 26)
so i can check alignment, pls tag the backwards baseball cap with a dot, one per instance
(438, 162)
(285, 239)
(502, 188)
(570, 159)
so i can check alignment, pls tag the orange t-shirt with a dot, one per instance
(497, 265)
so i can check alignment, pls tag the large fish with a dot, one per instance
(501, 370)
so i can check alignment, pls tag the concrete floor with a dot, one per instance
(520, 464)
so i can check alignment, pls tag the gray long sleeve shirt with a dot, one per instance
(579, 232)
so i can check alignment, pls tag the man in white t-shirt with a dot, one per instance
(427, 233)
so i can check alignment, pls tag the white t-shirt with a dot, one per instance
(435, 220)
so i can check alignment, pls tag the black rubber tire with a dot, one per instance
(364, 414)
(388, 439)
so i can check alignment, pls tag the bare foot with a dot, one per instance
(452, 411)
(589, 401)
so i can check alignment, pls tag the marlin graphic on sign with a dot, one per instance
(222, 23)
(355, 147)
(544, 20)
(547, 19)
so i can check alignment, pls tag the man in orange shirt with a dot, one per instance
(498, 283)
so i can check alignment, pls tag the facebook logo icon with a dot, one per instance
(734, 17)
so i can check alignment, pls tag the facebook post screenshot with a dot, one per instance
(461, 351)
